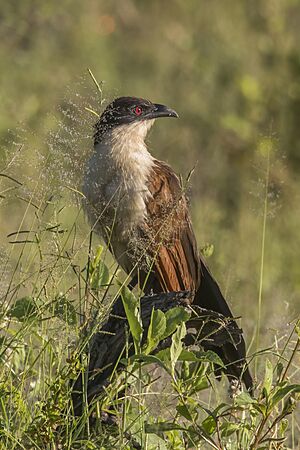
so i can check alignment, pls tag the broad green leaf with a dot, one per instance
(268, 377)
(176, 346)
(64, 310)
(149, 359)
(261, 408)
(165, 357)
(173, 440)
(196, 372)
(131, 306)
(244, 399)
(174, 317)
(183, 410)
(187, 355)
(156, 330)
(24, 308)
(209, 424)
(211, 357)
(282, 392)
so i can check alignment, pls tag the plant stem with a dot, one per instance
(262, 259)
(291, 359)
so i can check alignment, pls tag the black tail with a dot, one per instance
(232, 354)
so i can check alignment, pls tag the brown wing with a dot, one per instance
(177, 264)
(168, 230)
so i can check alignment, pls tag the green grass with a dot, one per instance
(194, 56)
(58, 284)
(56, 281)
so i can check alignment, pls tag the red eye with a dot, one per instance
(137, 110)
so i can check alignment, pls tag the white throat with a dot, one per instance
(115, 181)
(128, 148)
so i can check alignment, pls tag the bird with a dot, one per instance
(139, 206)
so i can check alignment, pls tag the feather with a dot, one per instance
(177, 263)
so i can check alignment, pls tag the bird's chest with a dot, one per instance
(126, 197)
(117, 193)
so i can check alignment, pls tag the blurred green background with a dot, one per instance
(230, 68)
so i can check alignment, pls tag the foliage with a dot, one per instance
(232, 73)
(236, 90)
(36, 407)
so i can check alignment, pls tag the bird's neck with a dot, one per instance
(117, 175)
(124, 147)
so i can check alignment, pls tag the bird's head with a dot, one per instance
(125, 111)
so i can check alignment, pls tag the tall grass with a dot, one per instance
(263, 242)
(57, 288)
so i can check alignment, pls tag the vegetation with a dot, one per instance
(231, 70)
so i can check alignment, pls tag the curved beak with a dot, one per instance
(162, 111)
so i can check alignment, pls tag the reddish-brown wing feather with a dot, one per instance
(177, 264)
(168, 227)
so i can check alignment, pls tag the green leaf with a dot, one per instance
(131, 306)
(200, 382)
(165, 357)
(282, 392)
(148, 359)
(187, 355)
(100, 276)
(160, 427)
(211, 357)
(261, 408)
(96, 259)
(209, 424)
(244, 399)
(156, 330)
(64, 310)
(227, 429)
(99, 273)
(197, 371)
(183, 410)
(268, 377)
(185, 370)
(283, 426)
(207, 250)
(279, 370)
(176, 346)
(174, 317)
(24, 308)
(289, 405)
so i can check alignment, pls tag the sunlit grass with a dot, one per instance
(57, 285)
(57, 288)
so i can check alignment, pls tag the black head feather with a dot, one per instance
(127, 110)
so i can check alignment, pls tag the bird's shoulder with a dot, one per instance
(163, 183)
(167, 201)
